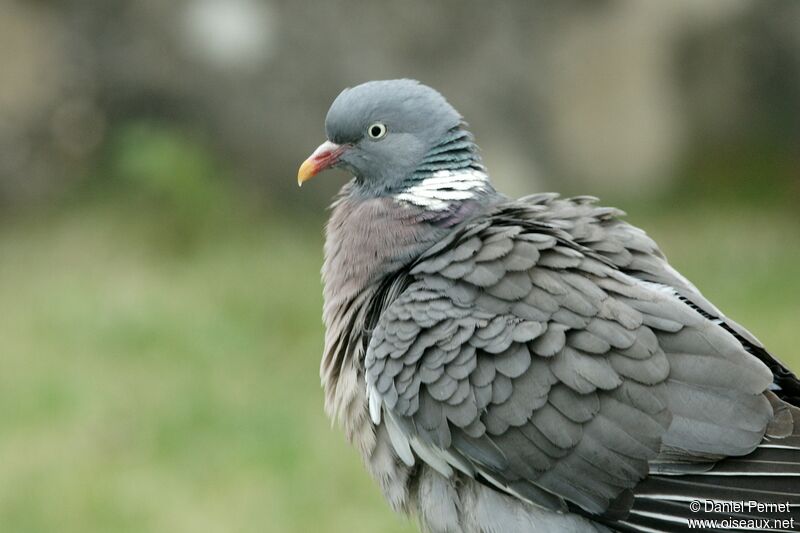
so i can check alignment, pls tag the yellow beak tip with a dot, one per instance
(325, 156)
(306, 172)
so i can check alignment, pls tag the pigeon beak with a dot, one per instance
(324, 157)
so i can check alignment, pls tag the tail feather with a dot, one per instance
(723, 488)
(666, 515)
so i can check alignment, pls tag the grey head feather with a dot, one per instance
(424, 134)
(406, 104)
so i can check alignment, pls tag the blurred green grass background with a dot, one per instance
(161, 336)
(160, 301)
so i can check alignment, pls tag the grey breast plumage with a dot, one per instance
(531, 364)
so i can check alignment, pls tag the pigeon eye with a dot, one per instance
(377, 130)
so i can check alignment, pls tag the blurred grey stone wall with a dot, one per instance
(578, 94)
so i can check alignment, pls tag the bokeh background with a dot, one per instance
(159, 289)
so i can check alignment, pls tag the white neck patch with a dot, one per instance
(444, 187)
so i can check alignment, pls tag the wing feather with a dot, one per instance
(551, 362)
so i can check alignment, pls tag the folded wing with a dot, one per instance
(532, 362)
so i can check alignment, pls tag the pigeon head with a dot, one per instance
(389, 133)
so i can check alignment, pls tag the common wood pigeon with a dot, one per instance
(534, 364)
